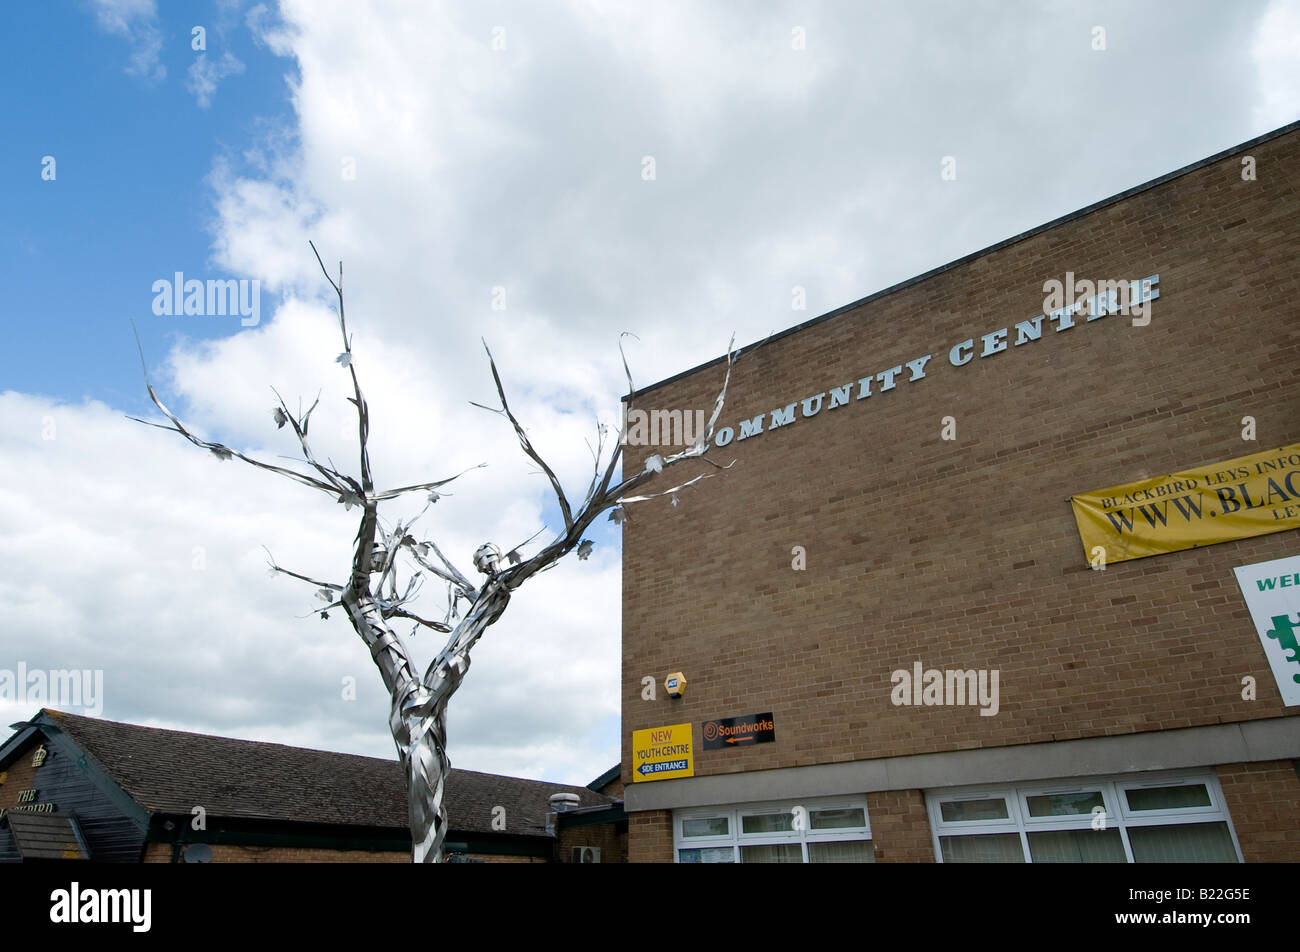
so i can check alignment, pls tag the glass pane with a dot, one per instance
(1077, 846)
(777, 853)
(1064, 804)
(1168, 798)
(990, 848)
(974, 809)
(838, 819)
(705, 826)
(719, 854)
(1182, 843)
(853, 851)
(767, 823)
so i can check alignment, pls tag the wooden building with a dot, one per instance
(79, 788)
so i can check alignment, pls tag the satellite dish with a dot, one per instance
(198, 853)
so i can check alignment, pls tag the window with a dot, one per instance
(810, 831)
(706, 826)
(1142, 818)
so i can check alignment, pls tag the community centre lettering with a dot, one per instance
(1088, 300)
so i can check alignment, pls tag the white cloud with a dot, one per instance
(137, 21)
(152, 570)
(206, 74)
(520, 168)
(1277, 59)
(268, 30)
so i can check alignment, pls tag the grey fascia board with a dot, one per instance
(1275, 738)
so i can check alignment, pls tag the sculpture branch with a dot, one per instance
(283, 571)
(527, 446)
(417, 717)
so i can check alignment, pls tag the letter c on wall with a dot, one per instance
(954, 355)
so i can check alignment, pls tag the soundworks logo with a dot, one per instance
(739, 731)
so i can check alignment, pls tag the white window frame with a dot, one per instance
(1004, 795)
(736, 837)
(1114, 800)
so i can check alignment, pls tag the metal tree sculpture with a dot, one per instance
(371, 595)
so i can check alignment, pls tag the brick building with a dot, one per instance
(901, 505)
(81, 788)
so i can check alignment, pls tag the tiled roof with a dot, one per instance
(172, 772)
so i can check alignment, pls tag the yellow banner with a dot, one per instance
(1218, 502)
(662, 753)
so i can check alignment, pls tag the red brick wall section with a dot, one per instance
(964, 554)
(1262, 799)
(900, 827)
(650, 837)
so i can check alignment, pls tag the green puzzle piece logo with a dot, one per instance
(1284, 630)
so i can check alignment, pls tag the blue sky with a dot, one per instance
(498, 151)
(133, 155)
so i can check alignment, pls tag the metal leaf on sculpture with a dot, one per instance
(654, 463)
(617, 515)
(584, 550)
(220, 452)
(345, 359)
(280, 419)
(324, 594)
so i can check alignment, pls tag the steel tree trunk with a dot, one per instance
(426, 764)
(419, 723)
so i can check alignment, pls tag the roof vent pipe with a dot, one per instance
(560, 802)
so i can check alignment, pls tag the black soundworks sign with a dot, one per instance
(739, 731)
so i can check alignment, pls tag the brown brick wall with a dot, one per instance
(162, 853)
(612, 843)
(965, 554)
(221, 853)
(498, 858)
(614, 788)
(900, 826)
(650, 837)
(21, 775)
(1262, 799)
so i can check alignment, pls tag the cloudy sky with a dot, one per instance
(546, 176)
